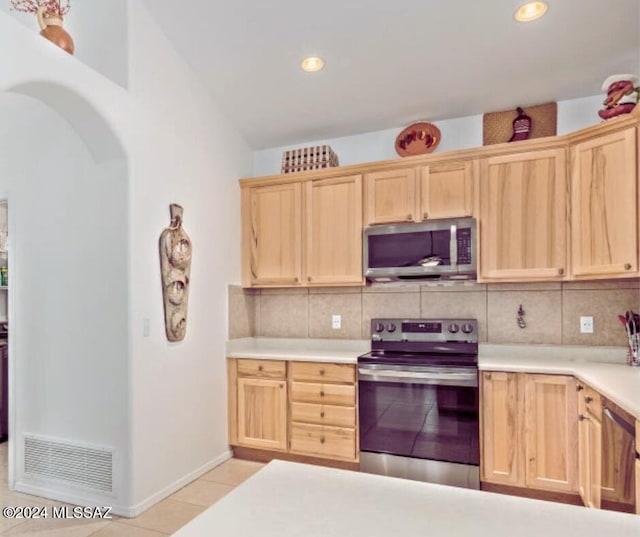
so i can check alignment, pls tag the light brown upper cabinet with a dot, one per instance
(447, 190)
(523, 216)
(604, 200)
(272, 235)
(438, 190)
(333, 243)
(390, 196)
(303, 233)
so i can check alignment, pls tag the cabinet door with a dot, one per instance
(334, 231)
(604, 235)
(589, 451)
(501, 429)
(272, 235)
(594, 435)
(551, 433)
(523, 216)
(446, 190)
(584, 455)
(262, 413)
(638, 467)
(390, 196)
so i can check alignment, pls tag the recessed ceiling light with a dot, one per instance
(530, 11)
(312, 64)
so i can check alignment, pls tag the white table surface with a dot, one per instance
(287, 499)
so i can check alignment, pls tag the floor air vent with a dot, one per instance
(88, 467)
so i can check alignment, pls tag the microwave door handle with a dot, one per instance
(453, 246)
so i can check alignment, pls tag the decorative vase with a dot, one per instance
(51, 28)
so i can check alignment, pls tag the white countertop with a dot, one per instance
(603, 368)
(287, 499)
(344, 351)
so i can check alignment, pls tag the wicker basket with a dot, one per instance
(309, 158)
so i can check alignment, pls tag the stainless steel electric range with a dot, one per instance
(418, 401)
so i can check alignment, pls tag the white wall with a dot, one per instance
(457, 133)
(68, 237)
(179, 148)
(195, 159)
(99, 33)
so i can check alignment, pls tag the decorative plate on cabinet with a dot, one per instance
(418, 139)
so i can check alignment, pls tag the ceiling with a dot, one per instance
(391, 63)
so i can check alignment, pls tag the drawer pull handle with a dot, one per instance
(579, 387)
(426, 216)
(588, 399)
(322, 414)
(322, 371)
(321, 394)
(260, 368)
(582, 417)
(409, 217)
(322, 439)
(561, 271)
(627, 266)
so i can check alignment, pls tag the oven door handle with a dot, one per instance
(413, 377)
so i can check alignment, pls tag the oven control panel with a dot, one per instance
(424, 330)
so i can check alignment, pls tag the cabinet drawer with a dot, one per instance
(262, 368)
(322, 372)
(341, 416)
(334, 442)
(329, 394)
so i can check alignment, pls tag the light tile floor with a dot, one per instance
(162, 519)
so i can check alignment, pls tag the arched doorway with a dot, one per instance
(64, 173)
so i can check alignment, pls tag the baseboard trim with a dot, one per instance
(264, 455)
(57, 495)
(175, 486)
(559, 497)
(121, 510)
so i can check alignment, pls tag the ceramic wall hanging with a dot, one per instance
(175, 264)
(622, 95)
(417, 139)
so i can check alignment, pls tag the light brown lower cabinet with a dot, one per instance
(529, 431)
(298, 408)
(590, 446)
(259, 395)
(323, 410)
(638, 467)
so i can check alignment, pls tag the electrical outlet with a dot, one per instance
(586, 325)
(336, 322)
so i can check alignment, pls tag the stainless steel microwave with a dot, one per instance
(435, 249)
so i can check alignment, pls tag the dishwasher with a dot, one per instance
(618, 458)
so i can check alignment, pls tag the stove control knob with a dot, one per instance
(391, 327)
(379, 327)
(467, 328)
(453, 328)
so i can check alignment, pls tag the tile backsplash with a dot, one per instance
(552, 310)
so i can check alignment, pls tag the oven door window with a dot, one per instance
(422, 421)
